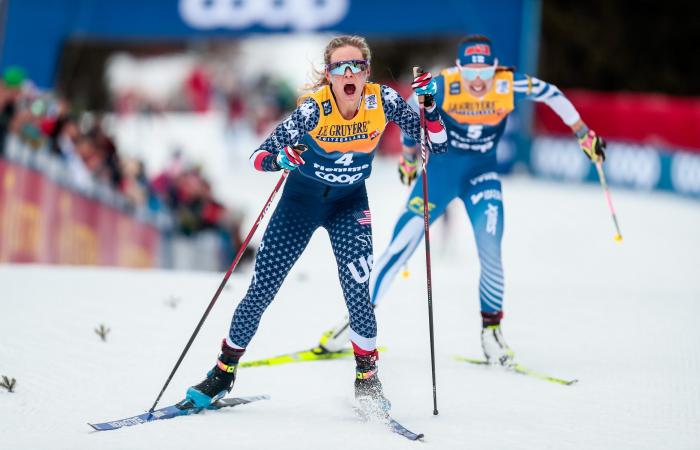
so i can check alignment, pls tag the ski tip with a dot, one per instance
(101, 427)
(461, 358)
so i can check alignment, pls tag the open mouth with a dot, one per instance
(349, 89)
(477, 87)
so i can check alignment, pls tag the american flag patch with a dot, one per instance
(364, 217)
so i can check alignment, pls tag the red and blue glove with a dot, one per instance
(424, 85)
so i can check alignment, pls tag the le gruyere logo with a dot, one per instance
(343, 133)
(471, 108)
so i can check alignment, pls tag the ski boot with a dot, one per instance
(495, 348)
(369, 395)
(219, 380)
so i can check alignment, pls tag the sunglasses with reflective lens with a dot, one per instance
(355, 66)
(485, 73)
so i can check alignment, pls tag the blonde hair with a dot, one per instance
(337, 42)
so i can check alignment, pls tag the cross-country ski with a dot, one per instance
(183, 408)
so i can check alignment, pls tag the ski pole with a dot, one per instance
(244, 245)
(604, 184)
(426, 225)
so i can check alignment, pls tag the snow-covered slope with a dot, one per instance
(622, 318)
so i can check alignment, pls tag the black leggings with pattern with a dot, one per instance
(347, 220)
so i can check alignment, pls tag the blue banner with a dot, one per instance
(632, 166)
(35, 30)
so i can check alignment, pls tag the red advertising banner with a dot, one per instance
(652, 119)
(42, 222)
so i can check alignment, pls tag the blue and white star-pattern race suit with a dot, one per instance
(313, 198)
(467, 171)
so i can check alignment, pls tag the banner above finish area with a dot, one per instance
(35, 30)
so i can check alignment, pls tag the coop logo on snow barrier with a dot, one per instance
(275, 14)
(685, 173)
(559, 158)
(632, 165)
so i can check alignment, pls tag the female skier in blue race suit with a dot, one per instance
(328, 144)
(474, 100)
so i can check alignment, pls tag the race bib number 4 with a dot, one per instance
(345, 160)
(337, 169)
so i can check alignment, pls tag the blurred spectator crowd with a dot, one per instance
(200, 84)
(47, 124)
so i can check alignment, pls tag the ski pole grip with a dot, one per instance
(300, 148)
(418, 71)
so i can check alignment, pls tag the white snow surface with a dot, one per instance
(621, 318)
